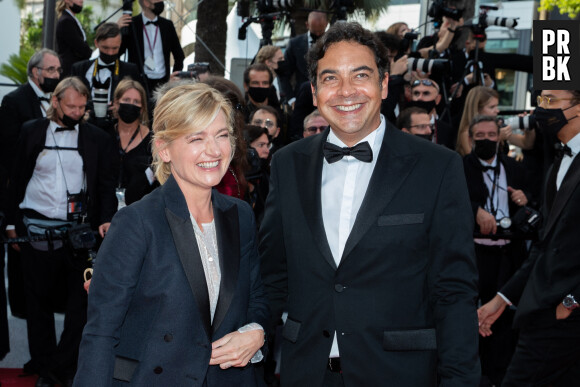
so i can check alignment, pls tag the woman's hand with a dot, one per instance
(236, 349)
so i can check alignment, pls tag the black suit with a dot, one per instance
(169, 39)
(126, 69)
(17, 107)
(402, 299)
(496, 264)
(70, 45)
(295, 57)
(548, 346)
(46, 270)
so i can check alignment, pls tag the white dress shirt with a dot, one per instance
(153, 49)
(343, 188)
(55, 172)
(102, 75)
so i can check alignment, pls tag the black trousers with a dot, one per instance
(547, 354)
(46, 273)
(496, 264)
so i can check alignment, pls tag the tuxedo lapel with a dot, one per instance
(35, 107)
(181, 227)
(563, 195)
(308, 178)
(394, 163)
(228, 238)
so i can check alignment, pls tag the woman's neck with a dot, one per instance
(125, 128)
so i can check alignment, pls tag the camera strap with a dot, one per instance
(123, 151)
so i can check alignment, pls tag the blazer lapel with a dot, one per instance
(309, 176)
(562, 197)
(181, 227)
(394, 163)
(228, 238)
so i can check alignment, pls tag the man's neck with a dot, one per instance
(148, 14)
(566, 134)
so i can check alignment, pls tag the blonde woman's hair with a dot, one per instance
(60, 7)
(183, 110)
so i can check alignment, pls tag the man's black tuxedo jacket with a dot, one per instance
(295, 57)
(99, 155)
(402, 300)
(70, 44)
(149, 320)
(168, 37)
(126, 69)
(553, 268)
(516, 177)
(18, 106)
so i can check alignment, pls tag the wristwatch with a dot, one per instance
(570, 302)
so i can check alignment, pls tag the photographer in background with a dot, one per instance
(497, 186)
(156, 41)
(258, 145)
(64, 175)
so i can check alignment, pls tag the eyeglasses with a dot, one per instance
(314, 129)
(543, 100)
(267, 123)
(423, 126)
(426, 82)
(51, 69)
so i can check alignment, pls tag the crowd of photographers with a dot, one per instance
(442, 89)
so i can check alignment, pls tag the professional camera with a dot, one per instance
(407, 42)
(194, 70)
(439, 8)
(523, 123)
(266, 6)
(127, 10)
(484, 20)
(433, 66)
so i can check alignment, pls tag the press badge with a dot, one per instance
(150, 63)
(75, 206)
(120, 192)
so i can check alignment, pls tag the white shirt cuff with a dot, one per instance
(505, 298)
(258, 356)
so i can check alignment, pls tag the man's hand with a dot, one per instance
(12, 234)
(124, 21)
(103, 228)
(486, 222)
(562, 313)
(518, 196)
(399, 66)
(505, 133)
(236, 349)
(488, 313)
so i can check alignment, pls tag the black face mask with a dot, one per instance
(427, 105)
(428, 137)
(68, 121)
(485, 149)
(283, 68)
(49, 84)
(108, 59)
(128, 112)
(258, 94)
(550, 121)
(75, 8)
(158, 8)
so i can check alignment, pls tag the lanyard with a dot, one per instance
(123, 151)
(494, 190)
(96, 69)
(57, 148)
(154, 39)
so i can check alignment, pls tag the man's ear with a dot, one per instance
(313, 89)
(438, 99)
(406, 130)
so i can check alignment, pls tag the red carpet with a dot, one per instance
(13, 377)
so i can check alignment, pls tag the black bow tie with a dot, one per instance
(562, 150)
(109, 67)
(334, 153)
(63, 128)
(43, 99)
(156, 22)
(488, 168)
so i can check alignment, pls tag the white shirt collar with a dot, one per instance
(574, 144)
(371, 138)
(53, 125)
(37, 89)
(145, 19)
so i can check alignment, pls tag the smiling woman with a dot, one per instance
(176, 297)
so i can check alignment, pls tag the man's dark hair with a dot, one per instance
(269, 109)
(106, 31)
(404, 120)
(257, 67)
(347, 32)
(479, 119)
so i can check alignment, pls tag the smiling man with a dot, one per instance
(367, 239)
